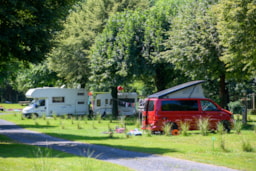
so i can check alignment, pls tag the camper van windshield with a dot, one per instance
(38, 102)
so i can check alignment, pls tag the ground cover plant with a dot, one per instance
(231, 150)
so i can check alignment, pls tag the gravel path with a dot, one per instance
(134, 160)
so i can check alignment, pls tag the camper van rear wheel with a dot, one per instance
(174, 129)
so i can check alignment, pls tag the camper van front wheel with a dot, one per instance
(226, 125)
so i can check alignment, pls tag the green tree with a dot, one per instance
(194, 45)
(130, 47)
(237, 25)
(35, 76)
(70, 58)
(26, 28)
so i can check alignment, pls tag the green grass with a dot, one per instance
(205, 149)
(15, 156)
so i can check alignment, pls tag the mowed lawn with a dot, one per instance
(232, 150)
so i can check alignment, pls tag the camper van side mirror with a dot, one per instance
(36, 106)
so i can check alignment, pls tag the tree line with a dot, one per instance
(143, 45)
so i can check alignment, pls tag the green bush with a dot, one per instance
(252, 112)
(235, 107)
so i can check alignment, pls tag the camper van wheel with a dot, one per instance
(226, 125)
(34, 115)
(27, 116)
(174, 128)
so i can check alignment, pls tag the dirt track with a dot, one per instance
(134, 160)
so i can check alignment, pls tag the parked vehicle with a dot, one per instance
(183, 103)
(56, 101)
(126, 103)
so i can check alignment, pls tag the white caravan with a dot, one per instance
(56, 101)
(126, 103)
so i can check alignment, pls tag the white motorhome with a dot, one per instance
(56, 101)
(126, 103)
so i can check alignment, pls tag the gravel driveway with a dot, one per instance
(134, 160)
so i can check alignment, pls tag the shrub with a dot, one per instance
(220, 128)
(246, 146)
(167, 128)
(184, 128)
(238, 126)
(252, 112)
(203, 126)
(235, 107)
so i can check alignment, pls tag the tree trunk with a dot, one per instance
(223, 92)
(161, 76)
(115, 102)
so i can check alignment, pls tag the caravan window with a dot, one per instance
(58, 99)
(106, 101)
(98, 102)
(80, 102)
(126, 102)
(180, 105)
(80, 94)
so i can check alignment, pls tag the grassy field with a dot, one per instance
(15, 156)
(232, 150)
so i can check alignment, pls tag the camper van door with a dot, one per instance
(40, 107)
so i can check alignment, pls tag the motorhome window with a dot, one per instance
(98, 102)
(180, 105)
(41, 102)
(106, 101)
(126, 102)
(149, 106)
(80, 94)
(111, 101)
(208, 106)
(58, 99)
(80, 102)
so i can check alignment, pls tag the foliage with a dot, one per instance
(193, 43)
(235, 107)
(86, 20)
(36, 76)
(238, 126)
(26, 28)
(203, 125)
(237, 25)
(130, 46)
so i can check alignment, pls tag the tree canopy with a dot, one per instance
(237, 28)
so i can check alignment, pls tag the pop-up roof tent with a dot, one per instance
(192, 89)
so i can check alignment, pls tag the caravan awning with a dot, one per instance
(190, 90)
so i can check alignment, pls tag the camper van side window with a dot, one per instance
(80, 94)
(80, 102)
(180, 105)
(58, 99)
(106, 101)
(98, 102)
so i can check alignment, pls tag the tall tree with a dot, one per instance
(35, 76)
(237, 28)
(70, 58)
(26, 27)
(130, 47)
(194, 45)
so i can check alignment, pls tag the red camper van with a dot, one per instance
(183, 103)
